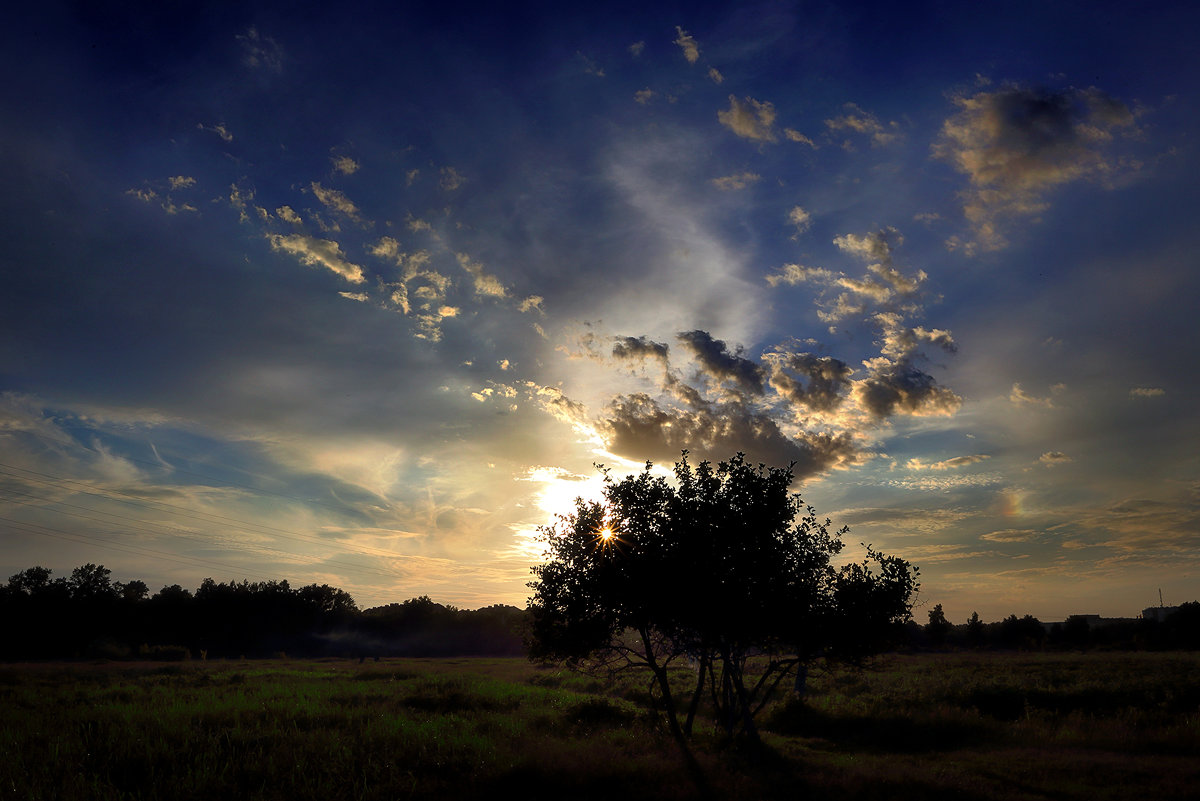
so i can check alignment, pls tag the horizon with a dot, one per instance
(362, 296)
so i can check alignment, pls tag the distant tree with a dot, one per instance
(91, 582)
(1020, 633)
(975, 631)
(938, 627)
(327, 600)
(724, 565)
(30, 581)
(132, 591)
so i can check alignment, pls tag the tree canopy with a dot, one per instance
(723, 565)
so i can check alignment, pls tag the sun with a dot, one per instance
(606, 537)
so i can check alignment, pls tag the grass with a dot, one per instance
(970, 726)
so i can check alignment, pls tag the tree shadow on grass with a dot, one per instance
(892, 734)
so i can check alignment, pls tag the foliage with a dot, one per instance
(724, 565)
(89, 615)
(938, 627)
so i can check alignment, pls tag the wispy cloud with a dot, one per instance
(736, 181)
(749, 119)
(260, 52)
(336, 201)
(856, 120)
(344, 165)
(687, 43)
(947, 464)
(318, 253)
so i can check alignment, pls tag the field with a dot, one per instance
(930, 726)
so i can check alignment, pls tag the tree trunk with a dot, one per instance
(705, 665)
(801, 685)
(664, 685)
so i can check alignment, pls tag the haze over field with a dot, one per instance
(359, 295)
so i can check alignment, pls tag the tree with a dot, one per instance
(938, 627)
(91, 583)
(724, 566)
(975, 631)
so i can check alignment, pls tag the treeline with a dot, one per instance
(1178, 630)
(89, 615)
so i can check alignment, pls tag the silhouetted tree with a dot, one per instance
(975, 631)
(724, 565)
(938, 627)
(91, 583)
(1021, 633)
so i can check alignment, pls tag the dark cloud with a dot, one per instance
(903, 387)
(639, 348)
(637, 428)
(805, 379)
(1016, 143)
(716, 360)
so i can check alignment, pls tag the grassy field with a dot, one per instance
(962, 726)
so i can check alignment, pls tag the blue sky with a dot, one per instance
(360, 295)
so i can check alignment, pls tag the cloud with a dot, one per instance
(792, 274)
(344, 165)
(749, 120)
(792, 135)
(181, 182)
(170, 207)
(531, 303)
(1052, 458)
(691, 50)
(260, 52)
(873, 246)
(1147, 392)
(640, 349)
(636, 49)
(737, 181)
(1022, 398)
(715, 76)
(317, 253)
(1011, 535)
(636, 427)
(289, 215)
(716, 360)
(451, 179)
(800, 218)
(336, 201)
(485, 284)
(1016, 144)
(219, 129)
(808, 380)
(590, 66)
(948, 464)
(863, 122)
(901, 386)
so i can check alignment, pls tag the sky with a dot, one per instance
(363, 293)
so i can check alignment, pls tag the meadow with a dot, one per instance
(923, 726)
